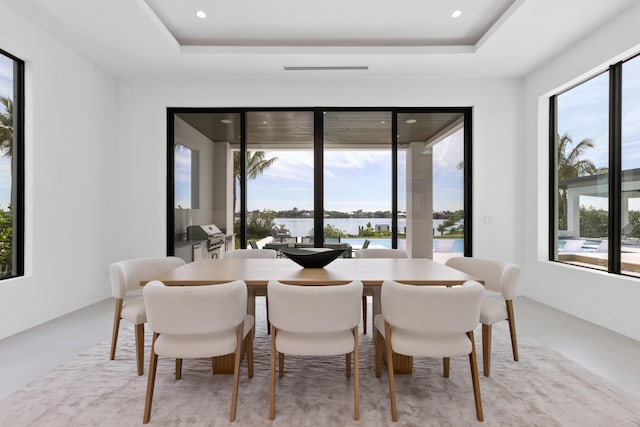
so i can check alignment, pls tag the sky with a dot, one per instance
(354, 180)
(6, 89)
(583, 112)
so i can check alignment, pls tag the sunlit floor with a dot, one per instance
(29, 355)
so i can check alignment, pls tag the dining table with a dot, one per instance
(256, 273)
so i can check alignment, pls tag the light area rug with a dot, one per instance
(542, 389)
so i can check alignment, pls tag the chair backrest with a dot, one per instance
(366, 243)
(432, 309)
(498, 276)
(195, 309)
(380, 253)
(314, 309)
(126, 275)
(251, 253)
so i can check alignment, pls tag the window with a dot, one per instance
(321, 176)
(595, 172)
(11, 165)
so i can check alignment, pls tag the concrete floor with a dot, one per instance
(31, 354)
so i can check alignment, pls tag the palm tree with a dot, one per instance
(572, 165)
(256, 165)
(6, 127)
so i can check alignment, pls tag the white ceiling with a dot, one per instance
(257, 38)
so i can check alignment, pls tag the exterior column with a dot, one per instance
(419, 201)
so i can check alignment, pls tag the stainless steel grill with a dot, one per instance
(209, 233)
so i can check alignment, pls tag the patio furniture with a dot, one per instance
(444, 245)
(573, 245)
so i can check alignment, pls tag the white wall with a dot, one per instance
(70, 164)
(496, 130)
(601, 298)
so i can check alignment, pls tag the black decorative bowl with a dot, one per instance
(312, 257)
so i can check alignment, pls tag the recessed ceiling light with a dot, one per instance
(200, 14)
(456, 14)
(410, 121)
(383, 122)
(226, 121)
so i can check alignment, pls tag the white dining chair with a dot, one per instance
(499, 277)
(198, 322)
(125, 277)
(308, 320)
(428, 321)
(375, 253)
(255, 254)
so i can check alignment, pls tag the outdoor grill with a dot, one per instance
(209, 233)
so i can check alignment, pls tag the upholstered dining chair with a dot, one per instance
(319, 320)
(501, 277)
(428, 321)
(375, 253)
(125, 279)
(198, 322)
(253, 253)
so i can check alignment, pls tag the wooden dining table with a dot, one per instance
(256, 273)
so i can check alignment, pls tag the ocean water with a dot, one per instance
(304, 226)
(458, 244)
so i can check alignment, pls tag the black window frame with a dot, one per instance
(615, 170)
(17, 172)
(318, 149)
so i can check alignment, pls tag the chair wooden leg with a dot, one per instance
(153, 364)
(236, 373)
(445, 366)
(347, 359)
(392, 387)
(116, 327)
(140, 348)
(272, 379)
(512, 329)
(364, 314)
(356, 376)
(474, 377)
(178, 369)
(280, 365)
(379, 350)
(249, 349)
(486, 349)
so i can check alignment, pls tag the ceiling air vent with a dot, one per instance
(334, 68)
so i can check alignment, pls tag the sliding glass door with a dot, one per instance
(357, 178)
(279, 173)
(393, 178)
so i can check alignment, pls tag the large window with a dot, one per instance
(313, 177)
(11, 161)
(595, 171)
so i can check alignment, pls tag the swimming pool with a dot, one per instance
(458, 245)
